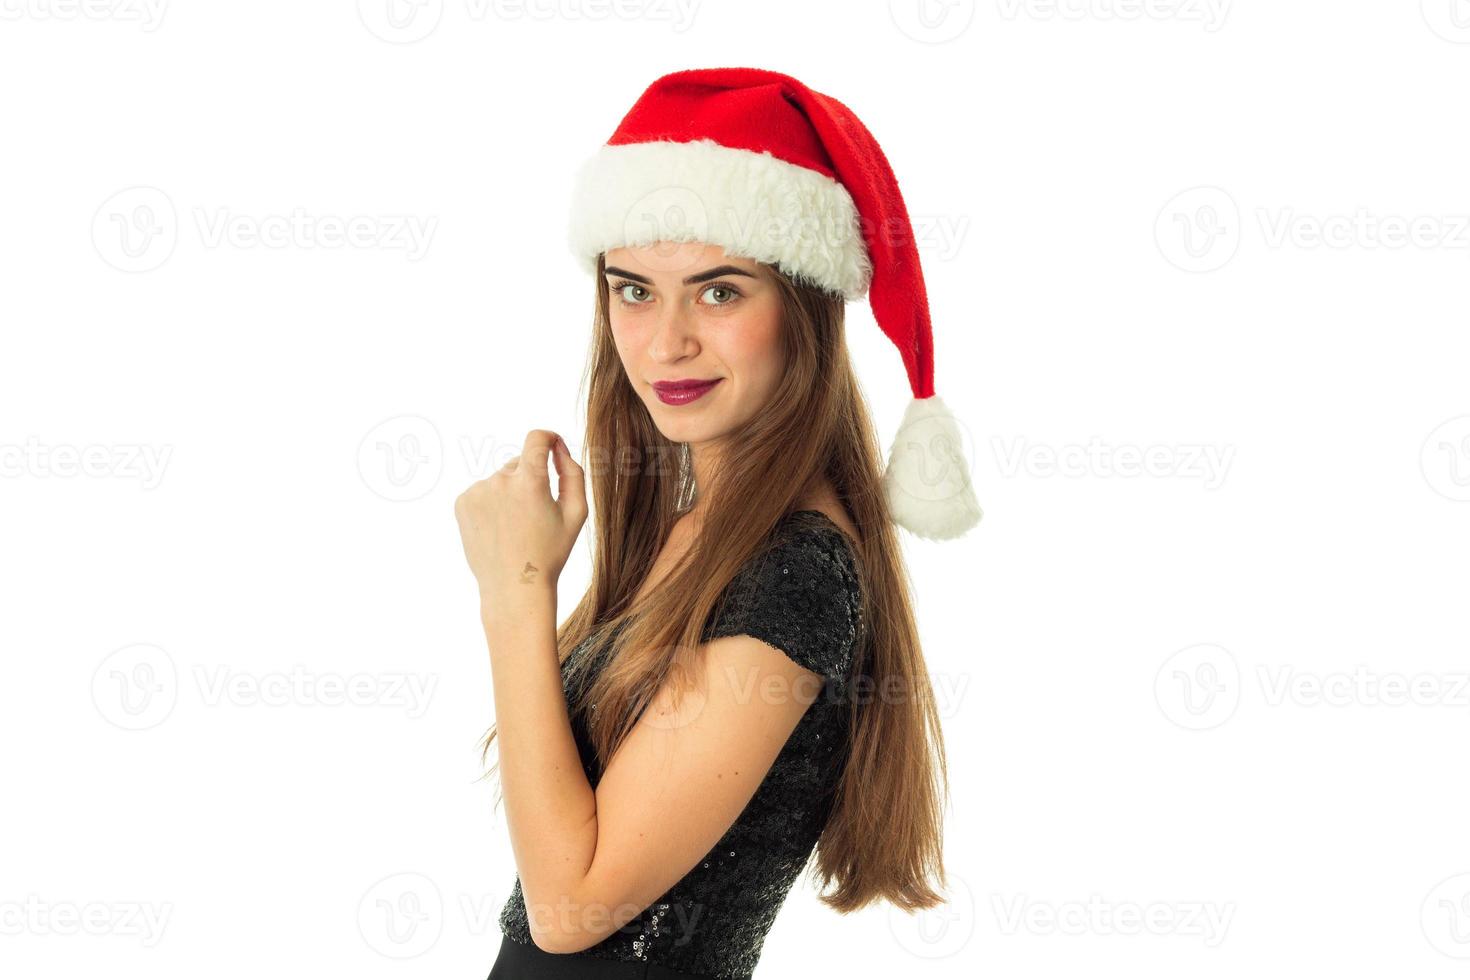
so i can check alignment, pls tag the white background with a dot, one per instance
(1206, 718)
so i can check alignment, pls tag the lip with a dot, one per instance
(683, 391)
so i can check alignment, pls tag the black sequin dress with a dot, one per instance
(802, 597)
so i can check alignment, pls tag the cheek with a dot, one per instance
(625, 335)
(751, 347)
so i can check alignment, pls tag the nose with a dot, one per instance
(673, 336)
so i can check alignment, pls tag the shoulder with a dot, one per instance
(802, 595)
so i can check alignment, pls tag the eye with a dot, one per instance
(621, 287)
(725, 288)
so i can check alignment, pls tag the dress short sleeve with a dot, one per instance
(802, 596)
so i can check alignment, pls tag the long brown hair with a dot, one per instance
(884, 836)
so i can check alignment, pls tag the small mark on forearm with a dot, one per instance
(528, 574)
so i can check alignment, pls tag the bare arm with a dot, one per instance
(550, 809)
(682, 777)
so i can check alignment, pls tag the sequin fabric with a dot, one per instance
(803, 597)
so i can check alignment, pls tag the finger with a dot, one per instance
(571, 486)
(536, 453)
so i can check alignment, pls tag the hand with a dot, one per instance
(516, 537)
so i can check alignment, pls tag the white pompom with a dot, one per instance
(927, 481)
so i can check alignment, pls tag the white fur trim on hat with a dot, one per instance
(753, 205)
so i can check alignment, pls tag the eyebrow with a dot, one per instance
(708, 274)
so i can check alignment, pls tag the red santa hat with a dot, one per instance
(770, 170)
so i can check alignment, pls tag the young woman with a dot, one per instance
(742, 685)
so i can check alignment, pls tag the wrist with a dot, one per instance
(518, 604)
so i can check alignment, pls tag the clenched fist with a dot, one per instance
(516, 537)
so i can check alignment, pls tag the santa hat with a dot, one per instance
(766, 168)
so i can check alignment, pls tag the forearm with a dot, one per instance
(550, 808)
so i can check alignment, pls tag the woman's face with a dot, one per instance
(689, 312)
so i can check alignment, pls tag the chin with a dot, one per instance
(682, 429)
(682, 433)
